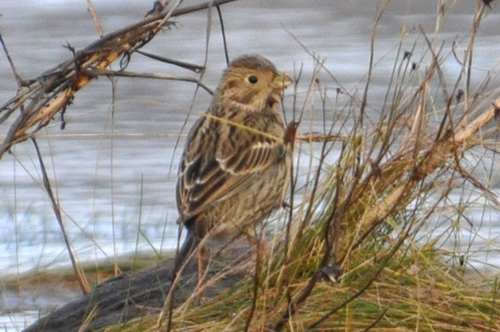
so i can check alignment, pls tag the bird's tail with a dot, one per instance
(189, 245)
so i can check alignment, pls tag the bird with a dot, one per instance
(235, 167)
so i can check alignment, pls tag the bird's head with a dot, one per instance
(253, 82)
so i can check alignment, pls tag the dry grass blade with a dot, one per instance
(380, 199)
(318, 137)
(389, 181)
(80, 275)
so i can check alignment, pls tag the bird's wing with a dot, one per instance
(221, 163)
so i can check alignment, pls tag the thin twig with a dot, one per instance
(124, 73)
(93, 12)
(62, 82)
(223, 32)
(182, 64)
(19, 80)
(80, 275)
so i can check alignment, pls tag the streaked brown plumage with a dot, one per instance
(234, 170)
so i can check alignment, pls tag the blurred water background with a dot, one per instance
(114, 166)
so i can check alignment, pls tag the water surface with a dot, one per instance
(114, 166)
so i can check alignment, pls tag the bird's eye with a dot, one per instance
(252, 79)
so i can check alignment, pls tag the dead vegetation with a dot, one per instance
(366, 213)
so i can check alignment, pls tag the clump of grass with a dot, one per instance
(365, 213)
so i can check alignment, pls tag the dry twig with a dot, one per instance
(54, 90)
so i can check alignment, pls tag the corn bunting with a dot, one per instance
(235, 166)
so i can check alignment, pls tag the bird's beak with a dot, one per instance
(281, 81)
